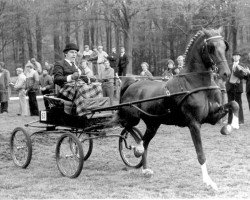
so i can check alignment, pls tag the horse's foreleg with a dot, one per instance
(149, 134)
(195, 133)
(232, 108)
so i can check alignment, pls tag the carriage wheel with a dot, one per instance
(126, 151)
(87, 144)
(20, 147)
(69, 155)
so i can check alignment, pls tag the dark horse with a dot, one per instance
(192, 99)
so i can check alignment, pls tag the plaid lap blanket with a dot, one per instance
(84, 91)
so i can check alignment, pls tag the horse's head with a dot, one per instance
(213, 52)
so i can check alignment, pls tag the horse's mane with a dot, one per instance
(191, 42)
(208, 32)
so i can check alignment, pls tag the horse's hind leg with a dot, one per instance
(149, 134)
(194, 128)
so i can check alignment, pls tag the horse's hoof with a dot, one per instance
(212, 185)
(147, 172)
(226, 130)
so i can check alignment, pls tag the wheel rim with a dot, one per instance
(20, 148)
(69, 156)
(127, 152)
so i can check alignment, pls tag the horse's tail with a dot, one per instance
(126, 82)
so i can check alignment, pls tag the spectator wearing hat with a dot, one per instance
(145, 72)
(4, 88)
(234, 85)
(169, 72)
(32, 86)
(19, 86)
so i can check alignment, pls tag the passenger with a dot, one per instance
(168, 73)
(145, 72)
(86, 71)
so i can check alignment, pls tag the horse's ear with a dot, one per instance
(220, 30)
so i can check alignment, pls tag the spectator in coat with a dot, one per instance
(46, 85)
(20, 86)
(32, 86)
(234, 85)
(122, 63)
(113, 59)
(37, 65)
(145, 72)
(4, 88)
(247, 77)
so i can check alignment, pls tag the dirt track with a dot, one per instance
(177, 173)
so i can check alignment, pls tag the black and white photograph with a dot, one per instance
(124, 99)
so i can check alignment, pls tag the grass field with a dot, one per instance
(172, 156)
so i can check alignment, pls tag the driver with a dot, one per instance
(66, 70)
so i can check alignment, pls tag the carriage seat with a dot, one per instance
(89, 104)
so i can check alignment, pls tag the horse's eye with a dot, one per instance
(210, 49)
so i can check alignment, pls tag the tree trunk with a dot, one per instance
(92, 34)
(86, 34)
(39, 43)
(29, 39)
(128, 44)
(56, 41)
(67, 22)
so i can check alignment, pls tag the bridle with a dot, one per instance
(211, 62)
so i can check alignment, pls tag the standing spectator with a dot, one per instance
(49, 68)
(32, 84)
(86, 55)
(168, 73)
(46, 85)
(145, 72)
(20, 88)
(248, 81)
(234, 86)
(122, 63)
(113, 59)
(37, 65)
(4, 88)
(93, 58)
(107, 79)
(102, 55)
(180, 64)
